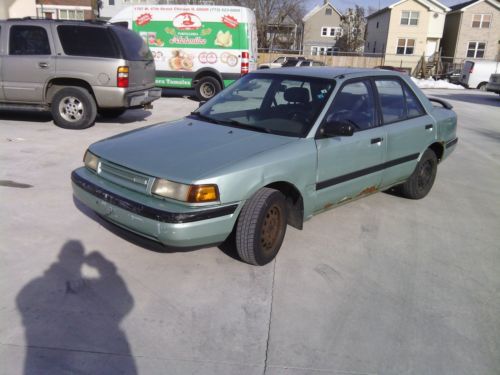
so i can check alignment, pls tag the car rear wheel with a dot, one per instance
(420, 182)
(261, 227)
(73, 108)
(482, 86)
(207, 87)
(111, 112)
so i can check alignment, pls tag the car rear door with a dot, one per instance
(350, 166)
(28, 62)
(409, 129)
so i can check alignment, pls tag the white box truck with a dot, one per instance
(204, 47)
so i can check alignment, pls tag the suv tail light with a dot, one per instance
(244, 62)
(122, 76)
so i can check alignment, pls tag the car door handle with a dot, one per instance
(43, 65)
(376, 140)
(429, 127)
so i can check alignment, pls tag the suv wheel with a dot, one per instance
(261, 227)
(207, 87)
(73, 108)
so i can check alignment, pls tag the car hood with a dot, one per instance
(184, 150)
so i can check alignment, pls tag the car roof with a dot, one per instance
(328, 72)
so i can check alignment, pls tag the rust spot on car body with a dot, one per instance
(368, 190)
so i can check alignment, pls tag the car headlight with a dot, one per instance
(91, 161)
(185, 193)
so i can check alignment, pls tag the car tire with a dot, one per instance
(261, 227)
(482, 86)
(420, 182)
(73, 108)
(207, 87)
(111, 112)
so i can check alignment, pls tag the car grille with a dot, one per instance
(125, 177)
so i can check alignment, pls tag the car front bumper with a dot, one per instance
(151, 217)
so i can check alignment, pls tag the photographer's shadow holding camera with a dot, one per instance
(72, 323)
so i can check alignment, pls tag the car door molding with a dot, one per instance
(365, 171)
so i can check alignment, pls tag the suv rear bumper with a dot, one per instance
(116, 97)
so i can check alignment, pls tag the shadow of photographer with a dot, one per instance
(72, 322)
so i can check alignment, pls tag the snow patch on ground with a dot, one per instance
(429, 83)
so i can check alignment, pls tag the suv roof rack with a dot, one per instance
(29, 18)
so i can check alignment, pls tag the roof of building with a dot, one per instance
(425, 3)
(465, 5)
(317, 8)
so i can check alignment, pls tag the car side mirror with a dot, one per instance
(337, 128)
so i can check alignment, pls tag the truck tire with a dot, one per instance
(207, 87)
(420, 182)
(261, 227)
(73, 108)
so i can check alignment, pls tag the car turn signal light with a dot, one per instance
(203, 193)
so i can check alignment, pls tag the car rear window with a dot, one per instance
(134, 47)
(88, 41)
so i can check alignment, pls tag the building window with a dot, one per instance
(111, 2)
(409, 18)
(331, 31)
(377, 24)
(328, 11)
(476, 49)
(481, 21)
(321, 51)
(405, 46)
(71, 14)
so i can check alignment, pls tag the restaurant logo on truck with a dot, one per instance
(187, 21)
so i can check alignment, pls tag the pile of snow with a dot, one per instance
(429, 83)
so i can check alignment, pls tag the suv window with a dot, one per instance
(134, 47)
(392, 100)
(28, 40)
(355, 104)
(88, 41)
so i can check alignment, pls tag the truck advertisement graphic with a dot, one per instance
(190, 42)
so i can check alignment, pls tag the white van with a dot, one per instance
(476, 73)
(204, 47)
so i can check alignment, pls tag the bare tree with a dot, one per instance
(353, 26)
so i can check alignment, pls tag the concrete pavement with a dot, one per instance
(383, 285)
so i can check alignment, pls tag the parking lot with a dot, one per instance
(383, 285)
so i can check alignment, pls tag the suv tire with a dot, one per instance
(207, 87)
(111, 112)
(261, 227)
(73, 108)
(420, 182)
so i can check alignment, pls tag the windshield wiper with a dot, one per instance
(205, 117)
(243, 125)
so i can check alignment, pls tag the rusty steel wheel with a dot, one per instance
(261, 227)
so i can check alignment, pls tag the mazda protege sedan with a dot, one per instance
(271, 150)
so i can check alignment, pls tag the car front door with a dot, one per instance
(410, 130)
(28, 63)
(349, 166)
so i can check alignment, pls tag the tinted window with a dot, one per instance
(413, 106)
(133, 45)
(392, 100)
(291, 62)
(354, 104)
(28, 40)
(88, 41)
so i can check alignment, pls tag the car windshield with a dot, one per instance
(272, 103)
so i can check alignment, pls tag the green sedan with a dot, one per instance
(273, 149)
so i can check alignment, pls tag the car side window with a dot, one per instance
(413, 106)
(28, 40)
(392, 100)
(88, 41)
(354, 104)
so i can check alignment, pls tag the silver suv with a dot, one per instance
(74, 69)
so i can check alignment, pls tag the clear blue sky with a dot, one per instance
(342, 5)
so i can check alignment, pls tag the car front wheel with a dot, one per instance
(420, 182)
(261, 227)
(73, 108)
